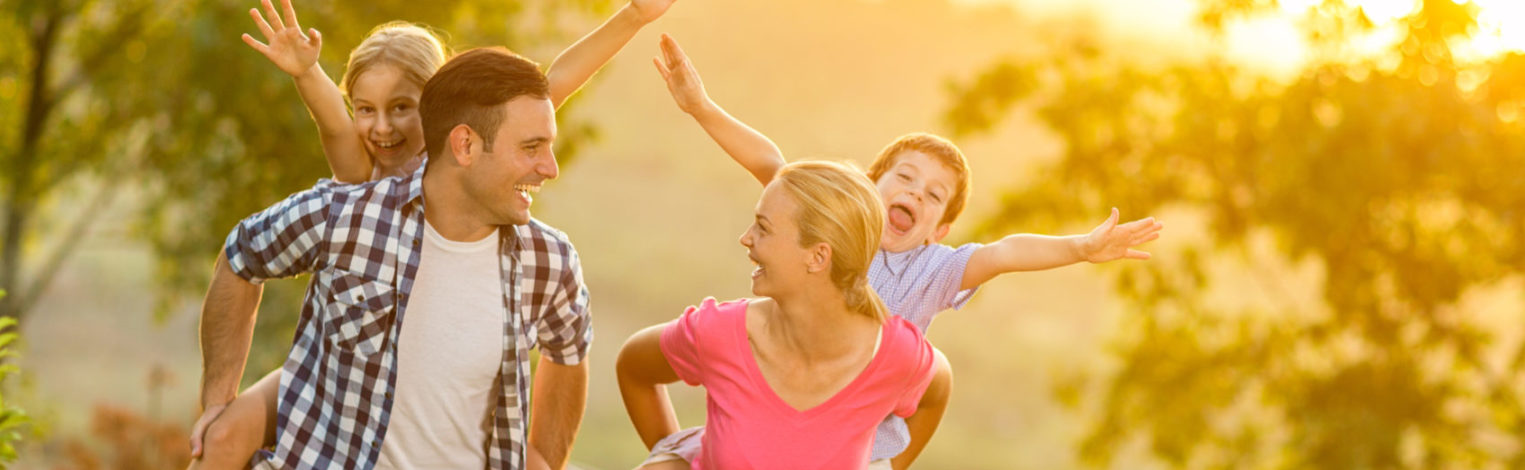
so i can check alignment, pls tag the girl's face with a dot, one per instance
(386, 115)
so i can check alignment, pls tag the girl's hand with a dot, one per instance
(291, 50)
(649, 10)
(682, 80)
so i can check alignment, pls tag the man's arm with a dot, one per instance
(1027, 252)
(296, 53)
(929, 412)
(283, 240)
(583, 58)
(227, 326)
(560, 396)
(749, 148)
(643, 373)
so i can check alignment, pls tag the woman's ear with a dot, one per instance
(819, 258)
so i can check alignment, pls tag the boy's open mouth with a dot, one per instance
(901, 218)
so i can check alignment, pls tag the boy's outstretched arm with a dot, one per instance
(583, 58)
(1026, 252)
(296, 53)
(750, 148)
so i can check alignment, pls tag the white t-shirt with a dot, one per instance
(448, 355)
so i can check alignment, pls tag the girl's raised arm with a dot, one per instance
(296, 53)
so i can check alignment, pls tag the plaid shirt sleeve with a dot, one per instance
(566, 328)
(283, 240)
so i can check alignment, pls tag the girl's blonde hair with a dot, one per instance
(840, 207)
(410, 47)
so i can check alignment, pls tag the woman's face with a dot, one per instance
(386, 115)
(773, 243)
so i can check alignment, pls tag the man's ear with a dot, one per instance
(461, 142)
(819, 258)
(942, 231)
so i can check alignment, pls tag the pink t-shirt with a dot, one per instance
(749, 426)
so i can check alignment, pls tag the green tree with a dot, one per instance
(1394, 178)
(159, 102)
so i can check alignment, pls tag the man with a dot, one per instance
(428, 293)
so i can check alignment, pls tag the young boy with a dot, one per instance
(923, 180)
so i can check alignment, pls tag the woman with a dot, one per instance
(383, 82)
(799, 377)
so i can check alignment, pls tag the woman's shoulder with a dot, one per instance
(903, 339)
(710, 309)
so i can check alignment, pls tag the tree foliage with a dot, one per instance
(1395, 177)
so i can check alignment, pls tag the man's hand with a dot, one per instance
(1110, 241)
(682, 80)
(649, 10)
(200, 429)
(291, 50)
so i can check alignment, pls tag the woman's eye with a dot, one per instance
(904, 177)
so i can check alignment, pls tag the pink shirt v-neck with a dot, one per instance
(749, 426)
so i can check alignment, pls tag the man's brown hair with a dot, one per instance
(471, 89)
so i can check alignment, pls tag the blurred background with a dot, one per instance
(1339, 285)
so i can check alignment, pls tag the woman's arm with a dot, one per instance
(1027, 252)
(929, 411)
(643, 373)
(751, 149)
(296, 53)
(585, 57)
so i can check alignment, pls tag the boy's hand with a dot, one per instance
(682, 80)
(649, 10)
(291, 50)
(1110, 241)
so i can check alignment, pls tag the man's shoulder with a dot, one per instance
(541, 234)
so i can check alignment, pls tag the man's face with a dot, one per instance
(502, 180)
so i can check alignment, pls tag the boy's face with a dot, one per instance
(915, 190)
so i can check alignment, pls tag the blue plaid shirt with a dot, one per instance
(362, 244)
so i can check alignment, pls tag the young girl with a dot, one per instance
(923, 182)
(383, 81)
(800, 377)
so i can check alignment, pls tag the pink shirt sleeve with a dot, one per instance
(921, 374)
(680, 342)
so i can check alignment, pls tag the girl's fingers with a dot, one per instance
(259, 21)
(291, 15)
(254, 43)
(275, 18)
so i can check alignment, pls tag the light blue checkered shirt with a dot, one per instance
(916, 284)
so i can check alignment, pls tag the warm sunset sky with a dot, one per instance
(1274, 43)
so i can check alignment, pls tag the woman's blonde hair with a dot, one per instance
(840, 207)
(410, 47)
